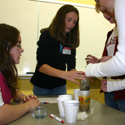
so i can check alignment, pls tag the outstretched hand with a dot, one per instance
(73, 75)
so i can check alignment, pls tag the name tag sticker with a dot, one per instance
(66, 50)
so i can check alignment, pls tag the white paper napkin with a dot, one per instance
(84, 115)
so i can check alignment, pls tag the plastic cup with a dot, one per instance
(71, 109)
(60, 105)
(85, 84)
(40, 112)
(76, 92)
(84, 99)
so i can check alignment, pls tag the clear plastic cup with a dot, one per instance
(84, 84)
(84, 99)
(40, 112)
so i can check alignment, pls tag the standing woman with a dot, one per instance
(113, 98)
(116, 65)
(56, 51)
(10, 52)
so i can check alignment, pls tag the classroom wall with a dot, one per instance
(22, 14)
(87, 2)
(30, 16)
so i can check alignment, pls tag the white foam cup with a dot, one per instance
(71, 109)
(60, 105)
(65, 96)
(85, 93)
(76, 92)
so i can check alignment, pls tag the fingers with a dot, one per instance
(73, 75)
(26, 98)
(87, 62)
(80, 72)
(104, 88)
(32, 96)
(89, 55)
(35, 96)
(91, 79)
(104, 81)
(37, 100)
(76, 82)
(87, 58)
(33, 103)
(92, 59)
(79, 75)
(104, 85)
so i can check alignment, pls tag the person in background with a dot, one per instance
(114, 99)
(56, 52)
(106, 55)
(10, 52)
(116, 65)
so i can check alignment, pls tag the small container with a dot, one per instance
(84, 99)
(40, 112)
(85, 84)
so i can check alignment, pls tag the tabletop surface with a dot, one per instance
(103, 115)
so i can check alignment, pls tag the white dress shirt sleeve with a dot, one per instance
(115, 85)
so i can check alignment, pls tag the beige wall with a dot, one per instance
(87, 2)
(29, 17)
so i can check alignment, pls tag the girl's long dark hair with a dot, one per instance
(8, 39)
(57, 27)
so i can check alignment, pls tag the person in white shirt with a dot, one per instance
(115, 99)
(116, 65)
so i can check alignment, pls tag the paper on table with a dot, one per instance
(84, 115)
(50, 100)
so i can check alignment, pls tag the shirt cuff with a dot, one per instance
(115, 85)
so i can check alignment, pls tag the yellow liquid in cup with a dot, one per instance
(84, 103)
